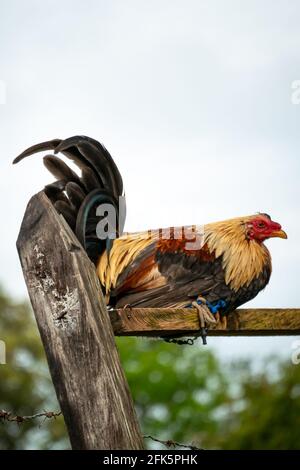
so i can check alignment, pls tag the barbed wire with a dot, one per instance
(169, 443)
(181, 342)
(9, 416)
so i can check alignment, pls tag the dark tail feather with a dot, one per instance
(87, 221)
(49, 145)
(54, 191)
(75, 194)
(77, 197)
(59, 169)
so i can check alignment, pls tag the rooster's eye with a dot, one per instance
(261, 225)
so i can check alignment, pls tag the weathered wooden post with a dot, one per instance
(76, 332)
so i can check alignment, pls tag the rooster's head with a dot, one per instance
(260, 227)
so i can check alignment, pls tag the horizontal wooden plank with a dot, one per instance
(171, 322)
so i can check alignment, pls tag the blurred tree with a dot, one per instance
(25, 385)
(266, 414)
(178, 390)
(185, 394)
(182, 393)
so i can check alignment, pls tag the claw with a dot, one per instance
(223, 322)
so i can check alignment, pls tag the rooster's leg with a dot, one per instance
(206, 318)
(210, 314)
(215, 310)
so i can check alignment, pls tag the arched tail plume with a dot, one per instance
(78, 197)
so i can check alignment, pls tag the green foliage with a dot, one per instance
(185, 394)
(182, 393)
(266, 415)
(25, 385)
(177, 390)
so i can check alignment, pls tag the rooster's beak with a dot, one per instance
(279, 234)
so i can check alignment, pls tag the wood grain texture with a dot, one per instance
(76, 332)
(184, 322)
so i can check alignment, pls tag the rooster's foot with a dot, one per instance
(206, 319)
(221, 321)
(209, 314)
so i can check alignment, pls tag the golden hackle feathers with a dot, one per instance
(243, 259)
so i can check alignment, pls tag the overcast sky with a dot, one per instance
(193, 100)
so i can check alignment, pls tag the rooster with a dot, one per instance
(216, 268)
